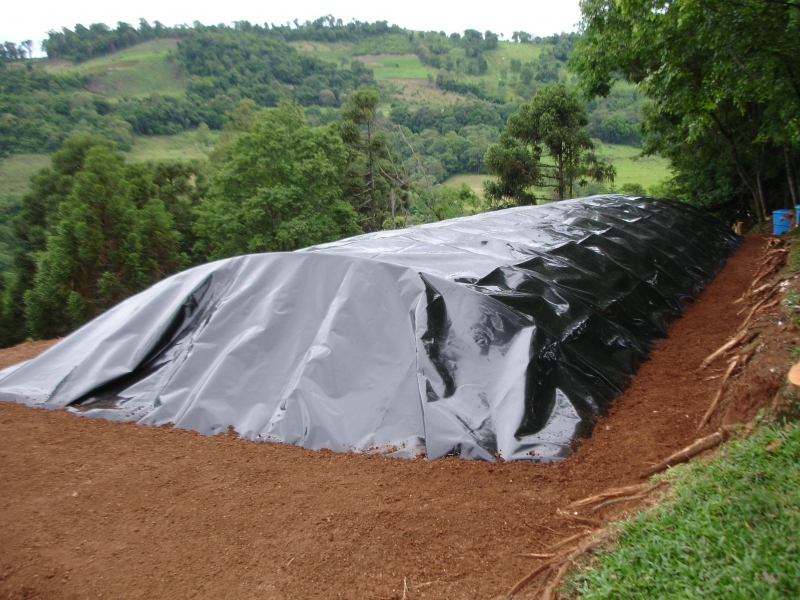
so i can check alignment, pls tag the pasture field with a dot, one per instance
(134, 72)
(647, 171)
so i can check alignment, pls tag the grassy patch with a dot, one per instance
(475, 182)
(731, 530)
(16, 170)
(184, 146)
(647, 170)
(333, 52)
(134, 72)
(400, 67)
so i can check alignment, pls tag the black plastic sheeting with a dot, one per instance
(501, 333)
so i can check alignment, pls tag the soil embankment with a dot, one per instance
(90, 508)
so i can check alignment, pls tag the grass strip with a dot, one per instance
(730, 530)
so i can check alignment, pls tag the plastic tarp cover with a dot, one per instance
(504, 333)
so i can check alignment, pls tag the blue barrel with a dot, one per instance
(781, 219)
(796, 212)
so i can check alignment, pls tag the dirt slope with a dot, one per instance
(90, 508)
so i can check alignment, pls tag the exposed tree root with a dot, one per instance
(564, 561)
(743, 337)
(570, 539)
(715, 402)
(683, 455)
(641, 488)
(616, 500)
(583, 520)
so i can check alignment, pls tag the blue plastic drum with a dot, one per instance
(781, 221)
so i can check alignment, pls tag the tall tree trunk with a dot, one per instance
(790, 175)
(372, 205)
(391, 197)
(761, 193)
(748, 182)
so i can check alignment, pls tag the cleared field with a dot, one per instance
(647, 171)
(15, 172)
(187, 145)
(399, 67)
(419, 92)
(474, 181)
(134, 72)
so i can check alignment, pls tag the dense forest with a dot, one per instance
(315, 145)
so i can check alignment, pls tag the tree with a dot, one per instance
(102, 250)
(278, 188)
(722, 77)
(371, 161)
(551, 127)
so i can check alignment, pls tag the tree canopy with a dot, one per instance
(545, 144)
(723, 82)
(280, 187)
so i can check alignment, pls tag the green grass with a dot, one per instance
(475, 182)
(647, 171)
(332, 52)
(184, 146)
(400, 67)
(134, 72)
(730, 530)
(15, 171)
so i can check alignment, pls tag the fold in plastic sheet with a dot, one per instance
(504, 333)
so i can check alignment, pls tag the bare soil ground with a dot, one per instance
(93, 509)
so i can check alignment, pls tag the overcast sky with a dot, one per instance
(32, 20)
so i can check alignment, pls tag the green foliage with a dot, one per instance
(552, 125)
(103, 247)
(447, 203)
(377, 187)
(731, 529)
(98, 39)
(280, 188)
(722, 83)
(91, 232)
(251, 62)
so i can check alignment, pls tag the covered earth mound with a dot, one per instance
(95, 509)
(502, 333)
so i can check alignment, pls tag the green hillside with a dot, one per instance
(134, 72)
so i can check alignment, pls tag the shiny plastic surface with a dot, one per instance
(501, 333)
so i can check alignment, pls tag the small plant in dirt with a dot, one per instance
(731, 530)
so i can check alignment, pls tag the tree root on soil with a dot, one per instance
(630, 490)
(564, 561)
(694, 449)
(715, 402)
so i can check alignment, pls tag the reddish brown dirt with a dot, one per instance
(23, 352)
(90, 508)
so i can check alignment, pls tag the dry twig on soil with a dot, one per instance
(683, 455)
